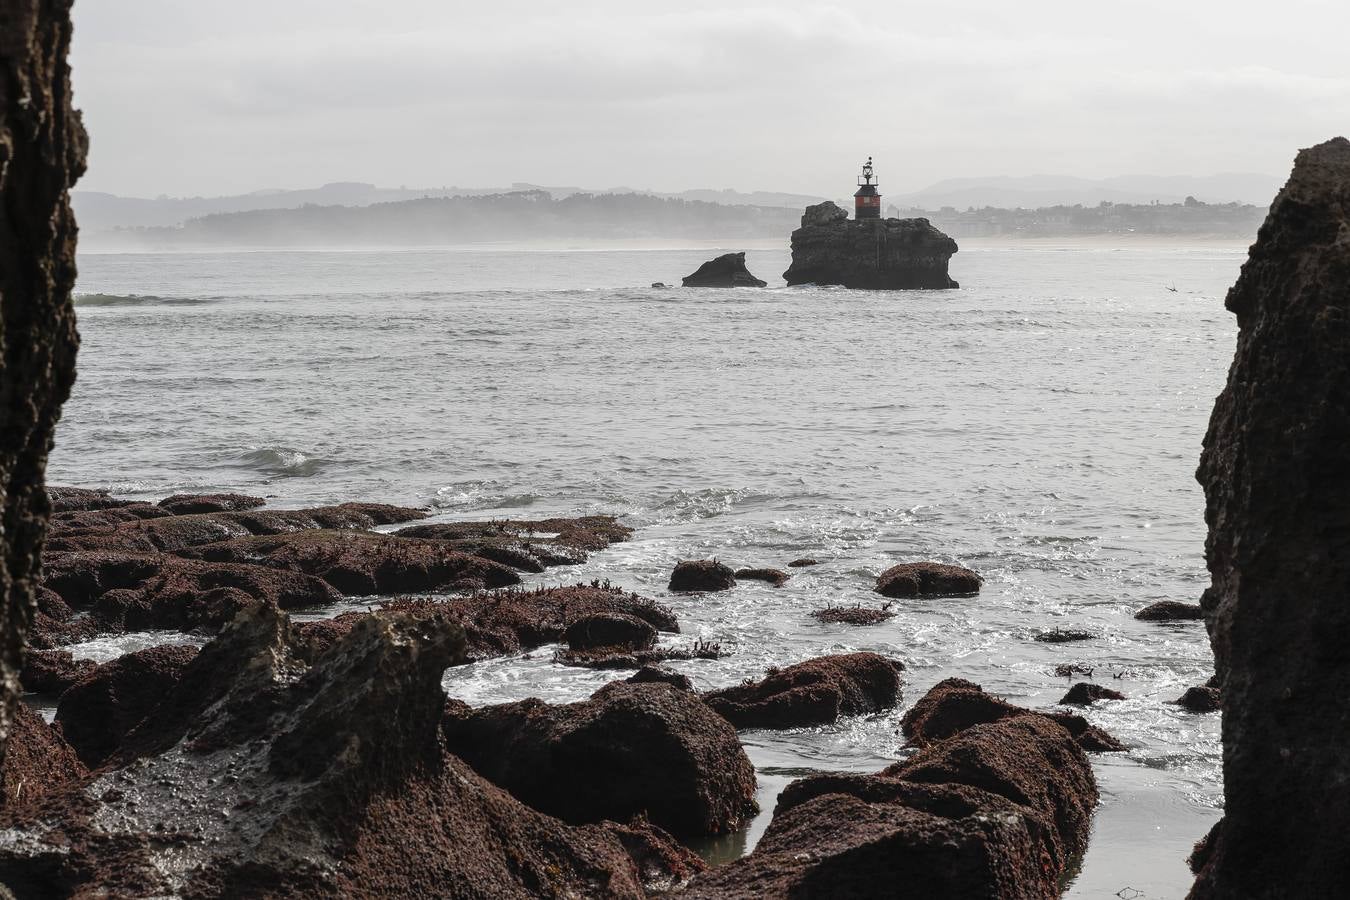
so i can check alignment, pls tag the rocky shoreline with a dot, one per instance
(305, 757)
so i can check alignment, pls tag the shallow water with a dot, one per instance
(1041, 425)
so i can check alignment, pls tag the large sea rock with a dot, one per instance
(878, 254)
(1277, 493)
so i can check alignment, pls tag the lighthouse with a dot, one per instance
(867, 201)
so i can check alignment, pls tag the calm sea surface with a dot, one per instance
(1041, 425)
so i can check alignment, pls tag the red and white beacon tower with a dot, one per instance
(867, 201)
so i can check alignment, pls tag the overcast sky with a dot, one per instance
(208, 98)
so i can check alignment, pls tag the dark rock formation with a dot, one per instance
(617, 630)
(1169, 611)
(815, 692)
(927, 579)
(1064, 636)
(727, 270)
(954, 704)
(187, 504)
(803, 563)
(1277, 491)
(1001, 810)
(852, 615)
(632, 749)
(622, 658)
(363, 563)
(656, 674)
(37, 760)
(52, 671)
(584, 533)
(701, 575)
(269, 772)
(42, 152)
(882, 254)
(97, 713)
(66, 498)
(55, 623)
(775, 577)
(1086, 693)
(1202, 699)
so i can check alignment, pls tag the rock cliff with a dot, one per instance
(42, 150)
(877, 254)
(1277, 496)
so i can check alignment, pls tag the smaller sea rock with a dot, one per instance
(52, 671)
(1201, 699)
(1085, 693)
(188, 504)
(649, 674)
(927, 579)
(803, 563)
(775, 577)
(727, 270)
(701, 575)
(815, 692)
(1064, 636)
(1169, 611)
(852, 615)
(610, 630)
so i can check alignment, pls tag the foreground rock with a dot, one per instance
(1000, 810)
(333, 778)
(881, 254)
(631, 749)
(954, 704)
(727, 270)
(98, 712)
(38, 761)
(927, 579)
(701, 575)
(42, 148)
(53, 671)
(815, 692)
(1276, 484)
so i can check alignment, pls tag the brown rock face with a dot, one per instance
(927, 579)
(631, 749)
(42, 151)
(815, 692)
(1277, 494)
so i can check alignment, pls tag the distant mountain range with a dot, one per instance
(98, 212)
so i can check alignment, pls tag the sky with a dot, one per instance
(210, 98)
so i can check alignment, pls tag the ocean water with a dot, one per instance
(1041, 425)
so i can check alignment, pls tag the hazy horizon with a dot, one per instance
(188, 101)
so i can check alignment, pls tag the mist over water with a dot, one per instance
(1041, 425)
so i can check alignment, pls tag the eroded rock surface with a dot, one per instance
(815, 692)
(631, 749)
(884, 254)
(1277, 494)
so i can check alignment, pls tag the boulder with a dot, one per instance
(656, 674)
(954, 704)
(1064, 636)
(775, 577)
(701, 575)
(97, 712)
(632, 749)
(927, 579)
(1202, 699)
(610, 630)
(803, 563)
(1085, 693)
(187, 504)
(815, 692)
(1276, 482)
(362, 563)
(852, 615)
(52, 671)
(265, 771)
(727, 270)
(882, 254)
(37, 760)
(1169, 611)
(1001, 810)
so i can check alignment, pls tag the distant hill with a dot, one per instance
(512, 216)
(1036, 191)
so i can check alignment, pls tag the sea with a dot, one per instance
(1041, 425)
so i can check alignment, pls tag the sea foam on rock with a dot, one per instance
(1277, 494)
(884, 254)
